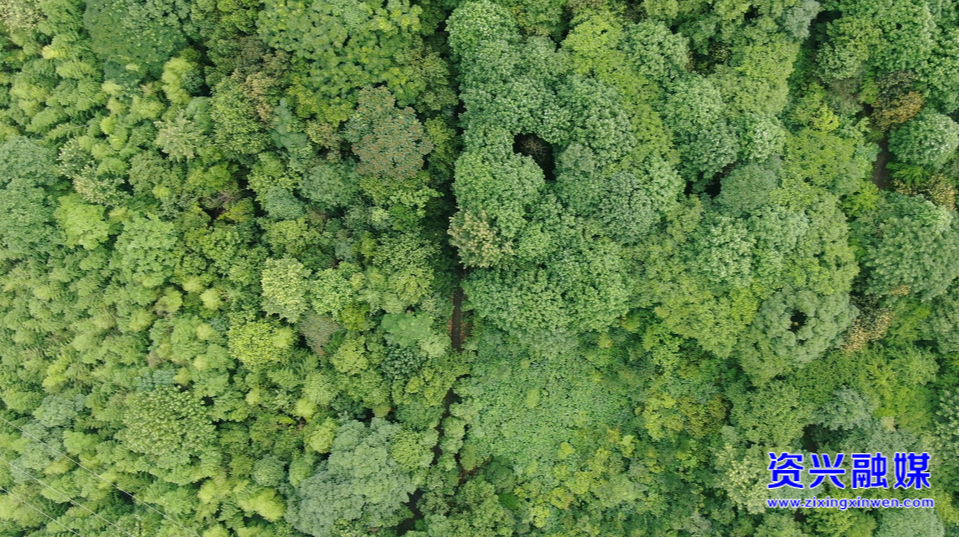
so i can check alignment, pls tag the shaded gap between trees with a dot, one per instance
(539, 150)
(456, 328)
(458, 331)
(880, 171)
(796, 321)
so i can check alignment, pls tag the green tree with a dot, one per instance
(181, 78)
(479, 511)
(132, 34)
(390, 142)
(360, 486)
(779, 525)
(505, 189)
(927, 140)
(330, 186)
(20, 15)
(936, 72)
(598, 121)
(285, 287)
(166, 424)
(345, 47)
(847, 410)
(281, 204)
(681, 296)
(82, 224)
(755, 77)
(795, 20)
(627, 203)
(477, 242)
(237, 130)
(332, 291)
(792, 328)
(569, 276)
(58, 411)
(909, 523)
(523, 406)
(657, 52)
(881, 36)
(260, 343)
(746, 189)
(773, 415)
(839, 522)
(695, 112)
(180, 138)
(826, 159)
(147, 251)
(911, 247)
(474, 23)
(25, 210)
(944, 320)
(402, 272)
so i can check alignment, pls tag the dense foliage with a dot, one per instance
(473, 268)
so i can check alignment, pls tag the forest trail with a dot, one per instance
(457, 334)
(880, 173)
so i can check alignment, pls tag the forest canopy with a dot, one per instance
(478, 268)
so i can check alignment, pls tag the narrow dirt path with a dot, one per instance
(880, 174)
(457, 335)
(456, 330)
